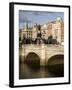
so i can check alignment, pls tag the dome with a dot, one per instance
(58, 18)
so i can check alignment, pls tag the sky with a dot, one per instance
(39, 17)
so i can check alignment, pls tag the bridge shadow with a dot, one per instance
(33, 61)
(56, 65)
(31, 68)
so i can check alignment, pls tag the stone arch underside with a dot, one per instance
(57, 58)
(33, 59)
(32, 50)
(56, 65)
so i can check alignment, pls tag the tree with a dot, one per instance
(51, 40)
(54, 41)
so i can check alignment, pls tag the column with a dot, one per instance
(42, 61)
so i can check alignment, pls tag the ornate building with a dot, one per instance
(54, 29)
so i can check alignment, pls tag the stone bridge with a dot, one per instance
(44, 52)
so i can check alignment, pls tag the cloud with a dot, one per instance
(23, 18)
(39, 17)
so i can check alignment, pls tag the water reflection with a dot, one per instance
(31, 68)
(28, 72)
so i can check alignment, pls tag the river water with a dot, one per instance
(27, 71)
(31, 67)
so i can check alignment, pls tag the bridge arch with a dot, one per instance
(52, 55)
(57, 58)
(56, 64)
(33, 52)
(32, 58)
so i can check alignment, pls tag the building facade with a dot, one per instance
(53, 28)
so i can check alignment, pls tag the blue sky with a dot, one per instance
(39, 17)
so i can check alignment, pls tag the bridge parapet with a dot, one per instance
(43, 51)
